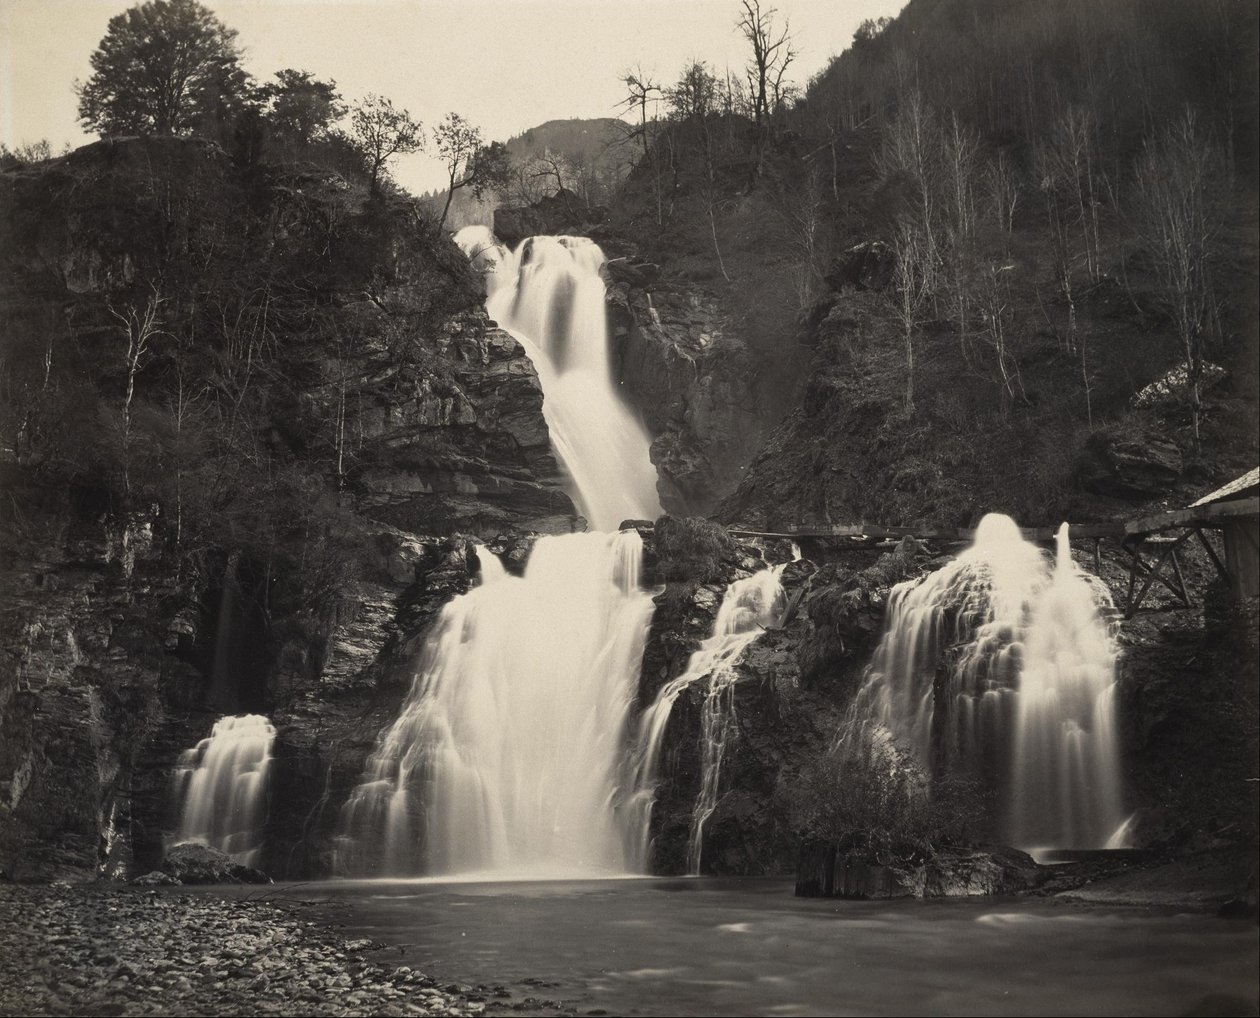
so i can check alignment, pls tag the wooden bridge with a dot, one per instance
(1149, 543)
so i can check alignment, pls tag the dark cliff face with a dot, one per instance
(683, 366)
(254, 509)
(792, 687)
(1039, 446)
(1186, 703)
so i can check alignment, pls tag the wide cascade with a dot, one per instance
(508, 759)
(221, 787)
(1001, 664)
(550, 295)
(749, 606)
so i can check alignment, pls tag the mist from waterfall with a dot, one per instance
(1001, 664)
(749, 606)
(550, 295)
(221, 784)
(506, 758)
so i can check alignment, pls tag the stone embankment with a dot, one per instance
(126, 951)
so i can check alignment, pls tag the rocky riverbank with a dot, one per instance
(99, 949)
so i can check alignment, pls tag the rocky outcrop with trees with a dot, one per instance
(247, 407)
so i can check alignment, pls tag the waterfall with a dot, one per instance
(748, 607)
(550, 295)
(1001, 664)
(1066, 783)
(506, 757)
(221, 787)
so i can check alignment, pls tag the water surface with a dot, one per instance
(748, 947)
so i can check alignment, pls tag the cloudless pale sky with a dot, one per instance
(506, 65)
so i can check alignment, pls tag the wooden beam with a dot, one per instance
(1216, 559)
(877, 532)
(1196, 516)
(1152, 574)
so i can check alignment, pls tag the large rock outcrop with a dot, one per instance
(683, 366)
(259, 510)
(792, 687)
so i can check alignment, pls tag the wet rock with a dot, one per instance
(199, 864)
(562, 212)
(684, 366)
(156, 879)
(109, 950)
(823, 870)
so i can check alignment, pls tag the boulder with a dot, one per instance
(630, 272)
(562, 212)
(824, 871)
(156, 879)
(191, 863)
(1136, 465)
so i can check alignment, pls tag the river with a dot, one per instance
(658, 946)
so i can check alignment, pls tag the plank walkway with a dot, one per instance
(874, 532)
(1131, 531)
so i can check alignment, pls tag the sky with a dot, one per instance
(506, 65)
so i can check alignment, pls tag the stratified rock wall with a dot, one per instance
(330, 352)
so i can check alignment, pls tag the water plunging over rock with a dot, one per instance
(506, 758)
(550, 295)
(221, 786)
(508, 755)
(1001, 663)
(748, 607)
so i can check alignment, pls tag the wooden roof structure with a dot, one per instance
(1233, 510)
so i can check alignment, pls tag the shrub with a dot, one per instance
(885, 802)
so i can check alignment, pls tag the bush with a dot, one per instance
(691, 548)
(886, 803)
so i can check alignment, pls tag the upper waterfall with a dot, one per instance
(550, 295)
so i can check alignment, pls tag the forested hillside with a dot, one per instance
(1007, 219)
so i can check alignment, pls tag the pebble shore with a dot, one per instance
(112, 950)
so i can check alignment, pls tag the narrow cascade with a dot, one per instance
(748, 607)
(550, 295)
(999, 666)
(221, 787)
(505, 758)
(1066, 784)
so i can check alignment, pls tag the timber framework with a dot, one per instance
(1230, 515)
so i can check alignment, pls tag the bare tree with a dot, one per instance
(383, 131)
(803, 210)
(1178, 223)
(911, 145)
(469, 163)
(1002, 188)
(640, 91)
(995, 305)
(772, 53)
(140, 326)
(910, 290)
